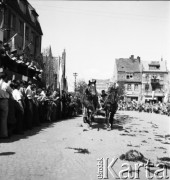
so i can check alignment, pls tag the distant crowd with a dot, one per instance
(23, 106)
(149, 107)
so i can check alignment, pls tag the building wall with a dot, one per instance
(159, 92)
(102, 84)
(122, 76)
(16, 22)
(161, 73)
(132, 86)
(142, 78)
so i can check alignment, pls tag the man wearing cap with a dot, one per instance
(102, 99)
(5, 92)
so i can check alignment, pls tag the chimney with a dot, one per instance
(131, 57)
(138, 58)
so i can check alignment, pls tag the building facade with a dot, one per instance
(143, 80)
(155, 82)
(102, 84)
(129, 72)
(54, 72)
(20, 20)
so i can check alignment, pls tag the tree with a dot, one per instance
(81, 86)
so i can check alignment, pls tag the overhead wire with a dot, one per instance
(97, 12)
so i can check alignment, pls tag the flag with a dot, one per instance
(166, 97)
(11, 41)
(24, 35)
(12, 38)
(57, 71)
(27, 48)
(153, 94)
(64, 62)
(65, 85)
(13, 77)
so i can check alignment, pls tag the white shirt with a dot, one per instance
(17, 94)
(43, 94)
(5, 89)
(29, 93)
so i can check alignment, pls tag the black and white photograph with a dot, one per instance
(84, 90)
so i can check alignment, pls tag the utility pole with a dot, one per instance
(75, 85)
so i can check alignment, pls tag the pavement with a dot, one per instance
(69, 150)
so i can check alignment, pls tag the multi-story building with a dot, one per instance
(19, 18)
(129, 72)
(54, 72)
(155, 80)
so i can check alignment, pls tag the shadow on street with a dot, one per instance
(34, 131)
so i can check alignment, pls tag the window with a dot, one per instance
(22, 6)
(161, 87)
(21, 28)
(32, 13)
(147, 77)
(161, 77)
(37, 41)
(146, 87)
(13, 22)
(33, 17)
(155, 67)
(129, 87)
(32, 37)
(136, 87)
(129, 76)
(154, 80)
(27, 33)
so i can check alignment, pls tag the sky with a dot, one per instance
(95, 33)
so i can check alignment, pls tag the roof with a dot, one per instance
(102, 81)
(14, 5)
(128, 65)
(163, 66)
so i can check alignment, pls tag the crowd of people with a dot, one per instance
(23, 106)
(149, 107)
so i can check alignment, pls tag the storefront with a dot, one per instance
(130, 96)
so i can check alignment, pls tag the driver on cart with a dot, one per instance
(102, 99)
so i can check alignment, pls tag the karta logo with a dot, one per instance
(105, 168)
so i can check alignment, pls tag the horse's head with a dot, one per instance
(92, 88)
(113, 93)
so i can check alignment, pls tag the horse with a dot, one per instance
(111, 106)
(89, 103)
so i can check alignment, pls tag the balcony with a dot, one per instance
(157, 93)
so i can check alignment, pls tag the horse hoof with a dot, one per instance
(89, 127)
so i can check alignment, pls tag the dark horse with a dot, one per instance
(111, 105)
(89, 103)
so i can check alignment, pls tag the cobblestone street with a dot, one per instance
(52, 151)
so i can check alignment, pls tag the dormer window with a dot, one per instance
(32, 17)
(154, 67)
(33, 14)
(129, 76)
(22, 6)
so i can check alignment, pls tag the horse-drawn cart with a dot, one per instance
(91, 108)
